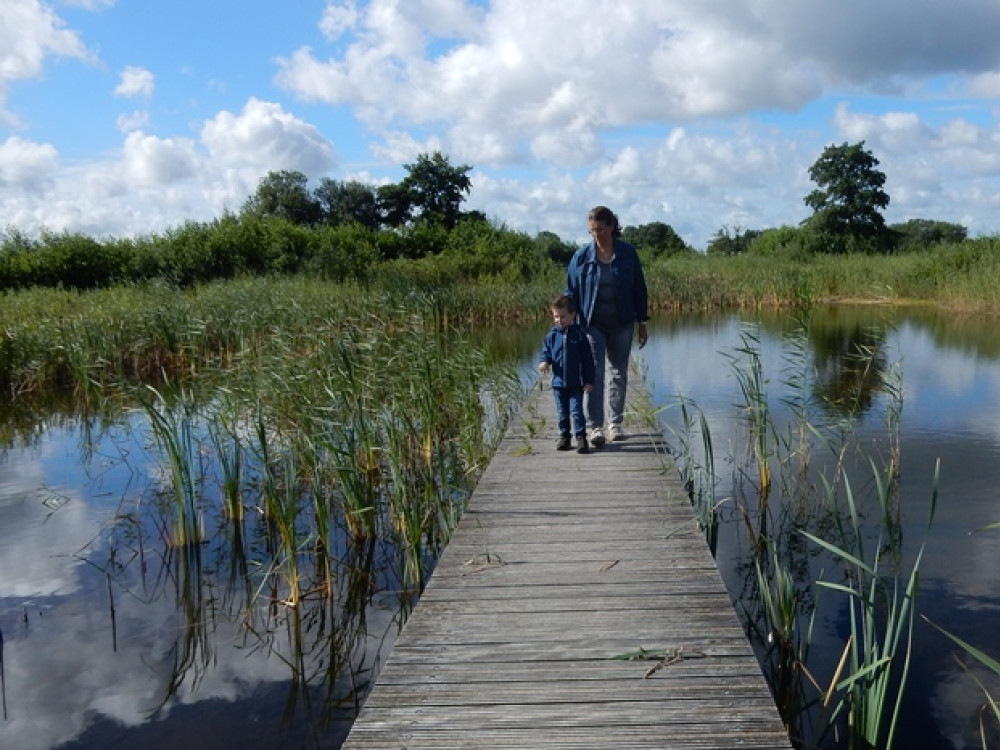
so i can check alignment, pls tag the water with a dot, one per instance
(113, 640)
(950, 383)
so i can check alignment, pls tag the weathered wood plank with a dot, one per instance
(562, 565)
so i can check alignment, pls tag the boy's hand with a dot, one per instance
(543, 367)
(588, 388)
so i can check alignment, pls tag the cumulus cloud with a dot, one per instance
(30, 32)
(701, 115)
(133, 121)
(511, 69)
(136, 82)
(154, 183)
(25, 165)
(266, 136)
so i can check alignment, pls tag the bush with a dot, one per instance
(343, 252)
(785, 242)
(76, 261)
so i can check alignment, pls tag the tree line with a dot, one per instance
(345, 230)
(847, 206)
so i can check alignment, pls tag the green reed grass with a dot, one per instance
(881, 615)
(694, 458)
(370, 417)
(748, 367)
(782, 602)
(174, 432)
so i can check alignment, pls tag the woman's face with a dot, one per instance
(600, 231)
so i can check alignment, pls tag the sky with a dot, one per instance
(130, 117)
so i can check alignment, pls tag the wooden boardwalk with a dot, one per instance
(562, 565)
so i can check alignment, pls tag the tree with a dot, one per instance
(344, 202)
(551, 246)
(921, 234)
(849, 198)
(656, 237)
(432, 193)
(731, 242)
(285, 194)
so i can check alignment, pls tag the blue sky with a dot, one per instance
(121, 117)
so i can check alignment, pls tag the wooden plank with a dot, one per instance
(562, 566)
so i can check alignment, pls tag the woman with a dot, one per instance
(606, 282)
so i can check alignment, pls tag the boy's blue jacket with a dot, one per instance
(568, 352)
(583, 278)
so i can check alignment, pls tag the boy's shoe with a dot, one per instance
(615, 433)
(597, 437)
(581, 445)
(563, 443)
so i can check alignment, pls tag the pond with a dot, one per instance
(948, 394)
(113, 638)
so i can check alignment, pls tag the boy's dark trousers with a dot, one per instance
(569, 403)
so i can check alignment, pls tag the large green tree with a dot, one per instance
(656, 237)
(431, 193)
(345, 202)
(285, 194)
(921, 234)
(848, 200)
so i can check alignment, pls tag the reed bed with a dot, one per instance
(794, 513)
(315, 443)
(372, 421)
(82, 341)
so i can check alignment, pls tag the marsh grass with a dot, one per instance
(791, 508)
(881, 616)
(317, 443)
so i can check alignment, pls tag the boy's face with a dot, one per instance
(563, 317)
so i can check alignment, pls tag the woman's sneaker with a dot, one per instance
(597, 437)
(563, 443)
(615, 433)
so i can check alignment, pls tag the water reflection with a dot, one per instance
(949, 382)
(114, 637)
(108, 631)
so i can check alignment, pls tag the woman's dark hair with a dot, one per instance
(605, 215)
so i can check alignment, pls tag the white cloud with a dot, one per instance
(136, 82)
(157, 162)
(30, 32)
(25, 165)
(266, 136)
(134, 121)
(672, 111)
(155, 183)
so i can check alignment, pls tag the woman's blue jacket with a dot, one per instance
(583, 278)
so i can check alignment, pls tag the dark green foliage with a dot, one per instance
(431, 193)
(76, 261)
(848, 201)
(16, 259)
(655, 239)
(550, 246)
(792, 243)
(480, 248)
(731, 242)
(342, 253)
(922, 234)
(346, 202)
(285, 195)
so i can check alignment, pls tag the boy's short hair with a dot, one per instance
(564, 302)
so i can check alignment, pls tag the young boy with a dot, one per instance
(567, 354)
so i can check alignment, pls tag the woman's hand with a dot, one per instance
(643, 336)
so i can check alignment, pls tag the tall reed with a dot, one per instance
(791, 501)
